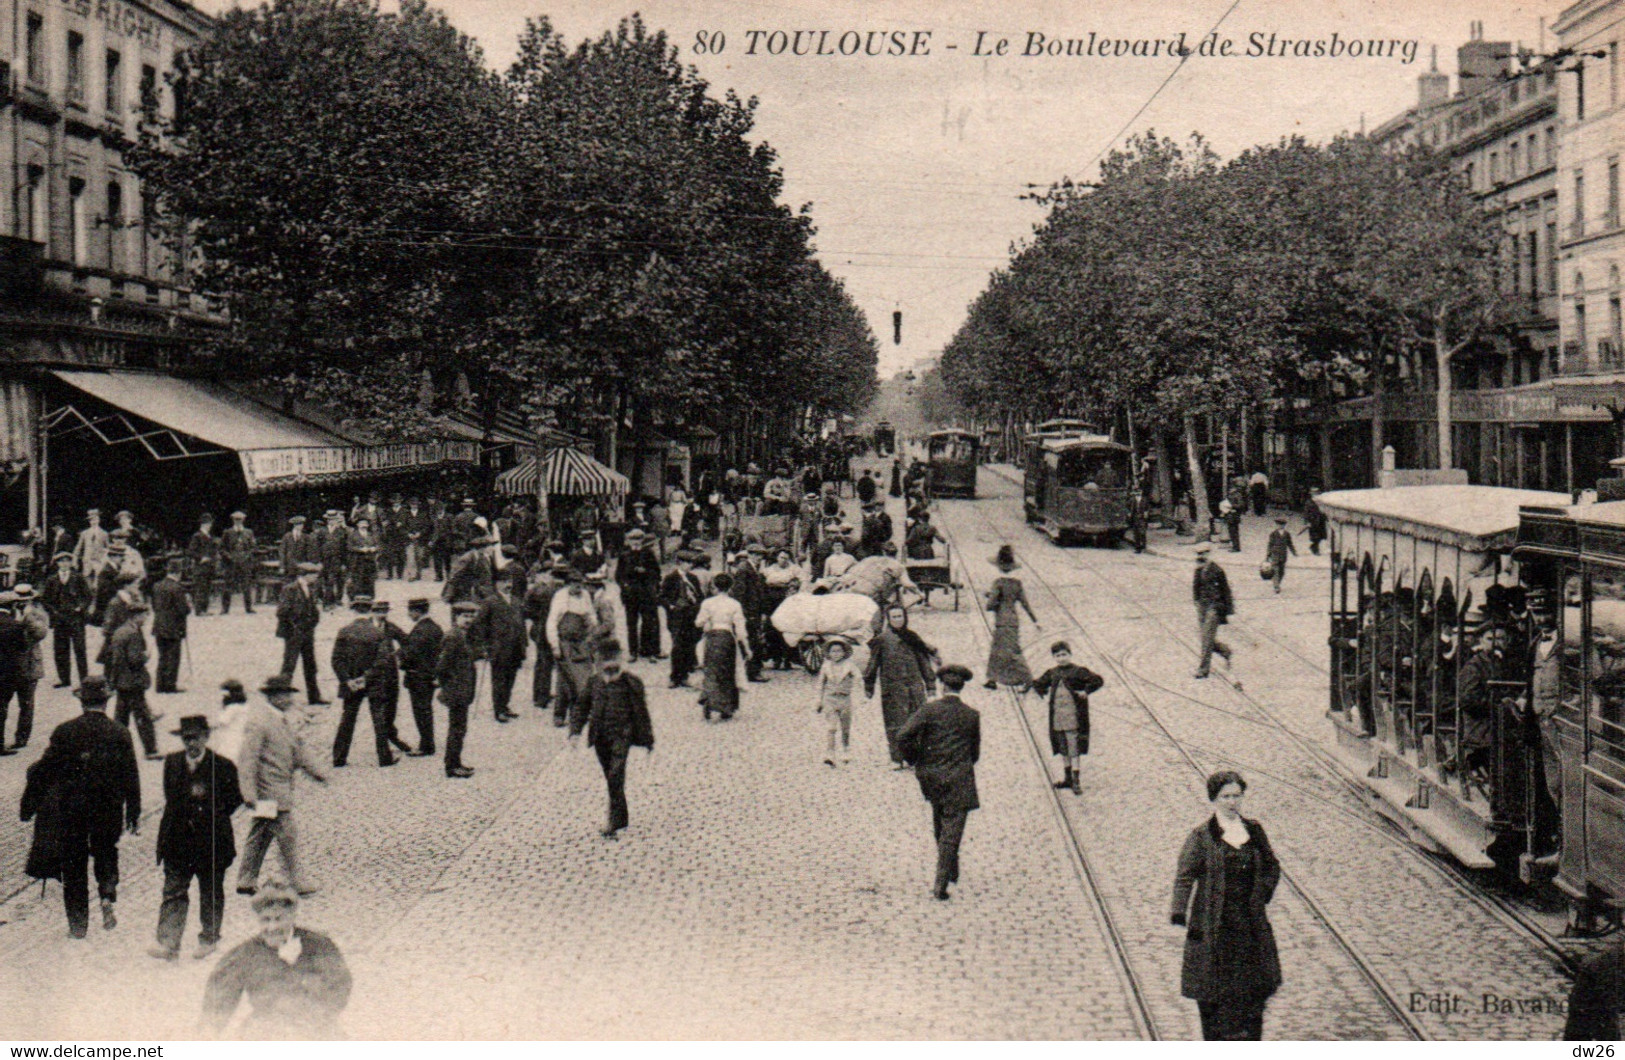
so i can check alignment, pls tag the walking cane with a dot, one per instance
(186, 652)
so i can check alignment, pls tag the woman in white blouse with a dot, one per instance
(721, 623)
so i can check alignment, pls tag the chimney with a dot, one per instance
(1433, 88)
(1481, 64)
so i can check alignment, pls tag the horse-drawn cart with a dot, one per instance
(934, 575)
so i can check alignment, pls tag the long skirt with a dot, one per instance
(721, 689)
(1005, 663)
(898, 702)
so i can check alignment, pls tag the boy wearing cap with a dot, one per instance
(126, 670)
(943, 741)
(201, 791)
(84, 791)
(297, 615)
(454, 672)
(203, 552)
(66, 597)
(169, 610)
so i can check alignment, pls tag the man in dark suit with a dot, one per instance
(194, 839)
(355, 651)
(750, 589)
(384, 678)
(943, 741)
(419, 655)
(297, 615)
(298, 547)
(203, 552)
(638, 572)
(498, 632)
(238, 549)
(83, 792)
(169, 610)
(682, 595)
(615, 714)
(392, 538)
(335, 549)
(66, 599)
(454, 672)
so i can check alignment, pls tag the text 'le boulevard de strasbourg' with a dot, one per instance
(479, 559)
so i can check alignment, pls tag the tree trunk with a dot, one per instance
(1379, 400)
(1441, 361)
(1165, 474)
(1204, 519)
(635, 408)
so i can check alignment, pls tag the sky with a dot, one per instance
(916, 164)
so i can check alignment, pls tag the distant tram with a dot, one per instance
(885, 439)
(951, 459)
(1078, 485)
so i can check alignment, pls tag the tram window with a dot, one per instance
(1572, 642)
(1606, 718)
(1107, 470)
(954, 450)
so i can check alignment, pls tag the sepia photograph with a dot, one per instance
(897, 521)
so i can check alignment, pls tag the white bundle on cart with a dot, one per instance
(807, 615)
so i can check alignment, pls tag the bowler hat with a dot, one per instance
(565, 571)
(1280, 520)
(1005, 560)
(417, 603)
(464, 607)
(277, 684)
(234, 692)
(92, 690)
(361, 603)
(380, 607)
(137, 607)
(192, 725)
(205, 518)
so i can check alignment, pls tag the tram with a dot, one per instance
(885, 439)
(1078, 486)
(951, 459)
(1431, 641)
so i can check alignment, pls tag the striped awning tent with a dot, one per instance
(568, 472)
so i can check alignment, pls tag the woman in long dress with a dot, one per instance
(1005, 663)
(721, 622)
(904, 667)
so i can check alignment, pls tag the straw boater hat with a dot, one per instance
(1006, 559)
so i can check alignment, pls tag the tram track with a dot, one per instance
(1386, 995)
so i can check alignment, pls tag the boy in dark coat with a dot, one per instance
(84, 791)
(617, 719)
(1068, 687)
(194, 839)
(1279, 547)
(943, 741)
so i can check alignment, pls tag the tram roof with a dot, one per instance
(953, 432)
(1067, 443)
(1475, 518)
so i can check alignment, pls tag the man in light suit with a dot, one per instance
(270, 755)
(943, 741)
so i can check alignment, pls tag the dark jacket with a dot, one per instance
(170, 607)
(471, 578)
(1597, 999)
(68, 603)
(421, 652)
(297, 548)
(203, 549)
(498, 631)
(750, 589)
(1082, 682)
(297, 612)
(943, 741)
(125, 664)
(639, 574)
(1199, 902)
(613, 723)
(1279, 546)
(455, 670)
(538, 600)
(14, 647)
(195, 833)
(682, 596)
(355, 650)
(87, 774)
(238, 547)
(1210, 588)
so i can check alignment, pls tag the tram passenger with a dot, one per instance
(1227, 874)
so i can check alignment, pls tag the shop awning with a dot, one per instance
(567, 472)
(173, 418)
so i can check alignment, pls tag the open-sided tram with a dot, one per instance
(951, 457)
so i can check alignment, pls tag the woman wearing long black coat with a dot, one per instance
(1227, 875)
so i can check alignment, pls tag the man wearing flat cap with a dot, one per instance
(237, 549)
(297, 615)
(638, 572)
(943, 741)
(66, 597)
(355, 658)
(81, 795)
(125, 666)
(169, 610)
(203, 553)
(201, 791)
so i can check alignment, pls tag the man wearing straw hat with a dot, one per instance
(201, 791)
(82, 794)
